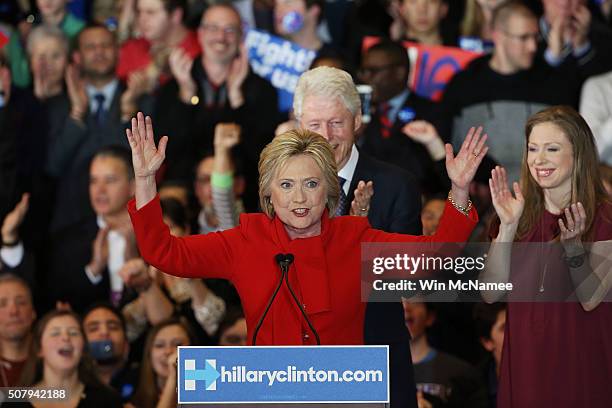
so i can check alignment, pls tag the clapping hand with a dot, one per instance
(238, 72)
(180, 66)
(509, 208)
(146, 157)
(138, 84)
(579, 25)
(363, 194)
(79, 101)
(573, 228)
(99, 252)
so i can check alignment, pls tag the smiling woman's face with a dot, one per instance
(298, 194)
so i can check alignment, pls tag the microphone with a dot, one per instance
(284, 261)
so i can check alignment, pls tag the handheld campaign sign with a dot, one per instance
(279, 61)
(431, 67)
(288, 374)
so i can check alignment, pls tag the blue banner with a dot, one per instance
(279, 61)
(309, 374)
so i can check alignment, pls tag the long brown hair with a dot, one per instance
(147, 391)
(33, 369)
(587, 187)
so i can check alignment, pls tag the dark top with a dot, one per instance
(398, 149)
(447, 381)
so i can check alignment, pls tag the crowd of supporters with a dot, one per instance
(80, 309)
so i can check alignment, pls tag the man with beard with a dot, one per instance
(96, 110)
(216, 87)
(16, 317)
(105, 330)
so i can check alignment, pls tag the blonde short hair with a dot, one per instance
(329, 82)
(294, 143)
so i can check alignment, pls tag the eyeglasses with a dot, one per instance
(523, 38)
(370, 71)
(230, 31)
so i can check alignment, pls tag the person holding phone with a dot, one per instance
(217, 87)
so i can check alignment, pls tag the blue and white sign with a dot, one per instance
(288, 374)
(279, 61)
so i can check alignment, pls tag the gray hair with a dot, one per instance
(47, 31)
(328, 82)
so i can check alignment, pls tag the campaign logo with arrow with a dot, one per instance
(209, 375)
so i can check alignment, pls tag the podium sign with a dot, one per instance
(284, 374)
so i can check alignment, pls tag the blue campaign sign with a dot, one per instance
(287, 374)
(279, 61)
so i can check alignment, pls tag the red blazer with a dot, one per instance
(325, 274)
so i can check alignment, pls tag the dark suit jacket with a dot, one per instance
(395, 207)
(68, 252)
(71, 148)
(64, 278)
(401, 151)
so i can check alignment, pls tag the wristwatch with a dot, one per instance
(575, 261)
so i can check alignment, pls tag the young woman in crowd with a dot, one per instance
(59, 361)
(157, 382)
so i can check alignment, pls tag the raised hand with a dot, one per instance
(573, 228)
(227, 135)
(135, 274)
(462, 168)
(12, 221)
(426, 134)
(509, 208)
(146, 157)
(421, 131)
(363, 194)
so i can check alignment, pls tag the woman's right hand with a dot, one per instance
(509, 207)
(146, 157)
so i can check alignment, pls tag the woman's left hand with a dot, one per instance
(573, 228)
(462, 168)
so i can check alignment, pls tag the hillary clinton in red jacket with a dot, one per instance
(298, 190)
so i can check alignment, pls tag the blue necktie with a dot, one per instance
(100, 113)
(343, 201)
